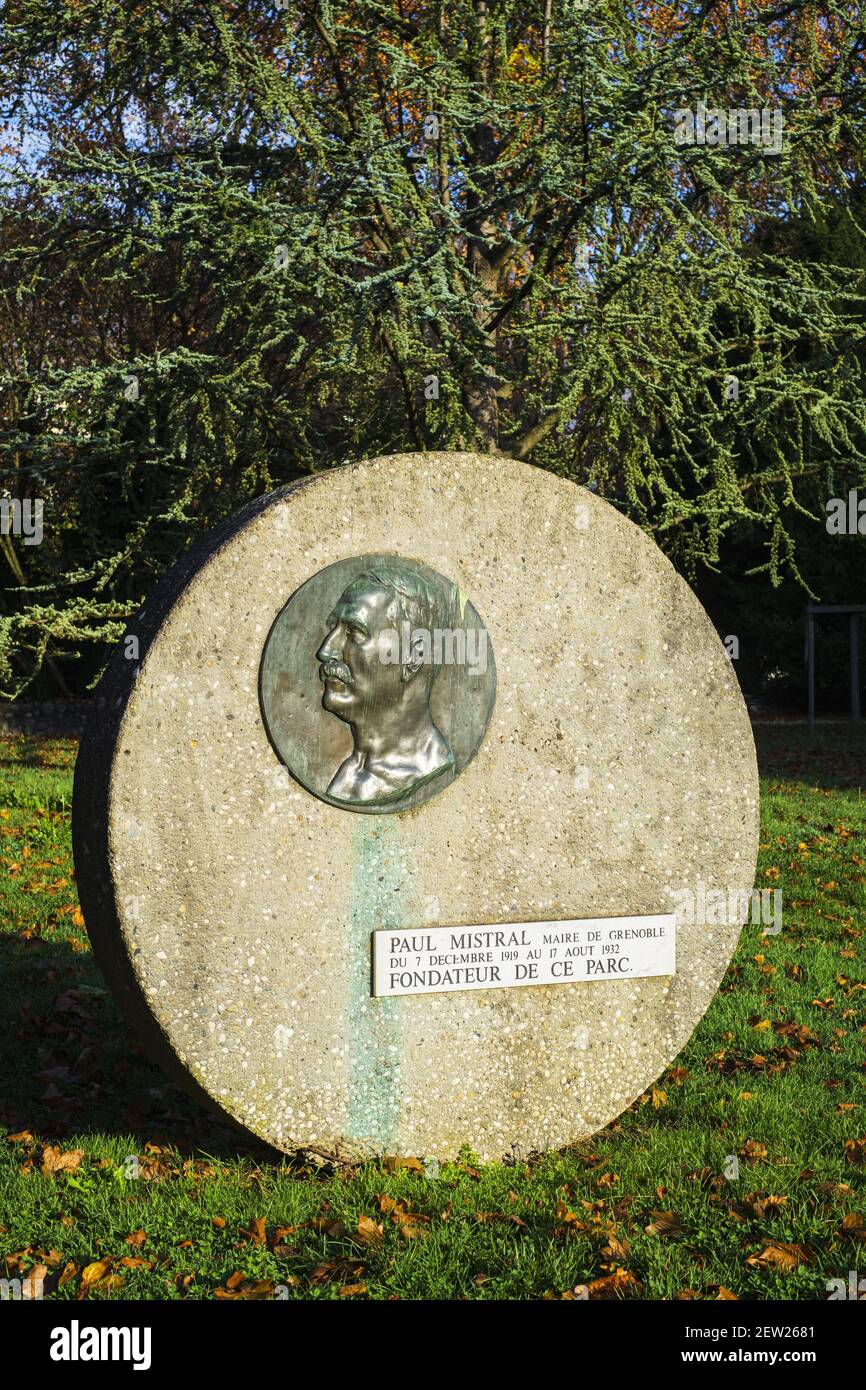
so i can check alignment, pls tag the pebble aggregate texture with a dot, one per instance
(231, 910)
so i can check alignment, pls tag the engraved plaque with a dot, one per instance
(377, 683)
(510, 954)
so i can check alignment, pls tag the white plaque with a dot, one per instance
(511, 954)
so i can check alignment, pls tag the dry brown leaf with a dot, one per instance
(762, 1207)
(855, 1152)
(621, 1284)
(564, 1214)
(49, 1257)
(369, 1232)
(753, 1151)
(31, 1284)
(617, 1249)
(53, 1161)
(337, 1271)
(410, 1224)
(781, 1255)
(136, 1238)
(664, 1223)
(257, 1232)
(392, 1163)
(853, 1226)
(243, 1288)
(350, 1290)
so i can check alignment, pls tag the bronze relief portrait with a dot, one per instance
(377, 683)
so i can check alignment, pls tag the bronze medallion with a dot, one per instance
(377, 683)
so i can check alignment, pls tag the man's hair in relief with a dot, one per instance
(419, 603)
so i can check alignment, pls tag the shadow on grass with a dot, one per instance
(831, 756)
(71, 1067)
(28, 750)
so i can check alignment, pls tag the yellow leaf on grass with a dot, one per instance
(391, 1164)
(94, 1273)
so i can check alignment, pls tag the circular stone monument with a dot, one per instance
(421, 813)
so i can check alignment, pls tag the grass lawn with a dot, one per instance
(116, 1185)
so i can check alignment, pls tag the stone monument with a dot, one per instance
(383, 841)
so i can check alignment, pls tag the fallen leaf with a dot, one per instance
(392, 1163)
(337, 1271)
(53, 1161)
(244, 1288)
(780, 1255)
(621, 1284)
(369, 1231)
(257, 1232)
(852, 1226)
(31, 1284)
(753, 1151)
(762, 1207)
(855, 1152)
(664, 1223)
(94, 1273)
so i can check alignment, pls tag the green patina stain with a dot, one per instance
(372, 1026)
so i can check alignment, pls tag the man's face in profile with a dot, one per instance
(357, 665)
